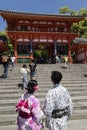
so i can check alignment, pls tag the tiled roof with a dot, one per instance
(39, 14)
(80, 40)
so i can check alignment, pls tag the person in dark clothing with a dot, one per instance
(33, 69)
(5, 62)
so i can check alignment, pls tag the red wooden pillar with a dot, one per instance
(15, 51)
(69, 53)
(85, 55)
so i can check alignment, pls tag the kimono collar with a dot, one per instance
(56, 85)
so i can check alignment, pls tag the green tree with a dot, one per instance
(80, 27)
(10, 46)
(64, 10)
(67, 10)
(82, 11)
(72, 12)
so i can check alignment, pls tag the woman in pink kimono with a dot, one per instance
(29, 111)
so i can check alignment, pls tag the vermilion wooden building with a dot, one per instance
(80, 50)
(30, 32)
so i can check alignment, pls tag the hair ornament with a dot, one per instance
(36, 87)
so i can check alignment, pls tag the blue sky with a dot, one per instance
(39, 6)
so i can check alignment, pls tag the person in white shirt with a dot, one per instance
(12, 62)
(24, 75)
(57, 59)
(58, 105)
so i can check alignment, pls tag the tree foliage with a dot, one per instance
(80, 27)
(10, 46)
(64, 10)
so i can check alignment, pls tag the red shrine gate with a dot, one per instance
(49, 33)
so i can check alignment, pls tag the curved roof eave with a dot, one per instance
(13, 14)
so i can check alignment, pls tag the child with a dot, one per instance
(24, 73)
(30, 113)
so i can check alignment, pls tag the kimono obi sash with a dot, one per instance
(59, 113)
(23, 113)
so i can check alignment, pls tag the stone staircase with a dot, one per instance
(73, 80)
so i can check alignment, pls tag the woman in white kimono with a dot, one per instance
(58, 104)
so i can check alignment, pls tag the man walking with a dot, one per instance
(58, 104)
(33, 69)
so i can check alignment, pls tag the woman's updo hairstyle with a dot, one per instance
(32, 86)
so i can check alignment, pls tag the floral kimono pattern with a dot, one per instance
(29, 113)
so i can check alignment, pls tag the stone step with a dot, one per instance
(75, 99)
(39, 95)
(47, 81)
(79, 124)
(9, 127)
(11, 119)
(7, 110)
(72, 125)
(14, 90)
(78, 103)
(8, 119)
(41, 85)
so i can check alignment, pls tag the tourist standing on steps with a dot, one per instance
(24, 75)
(28, 108)
(33, 69)
(5, 62)
(57, 59)
(12, 62)
(65, 61)
(58, 104)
